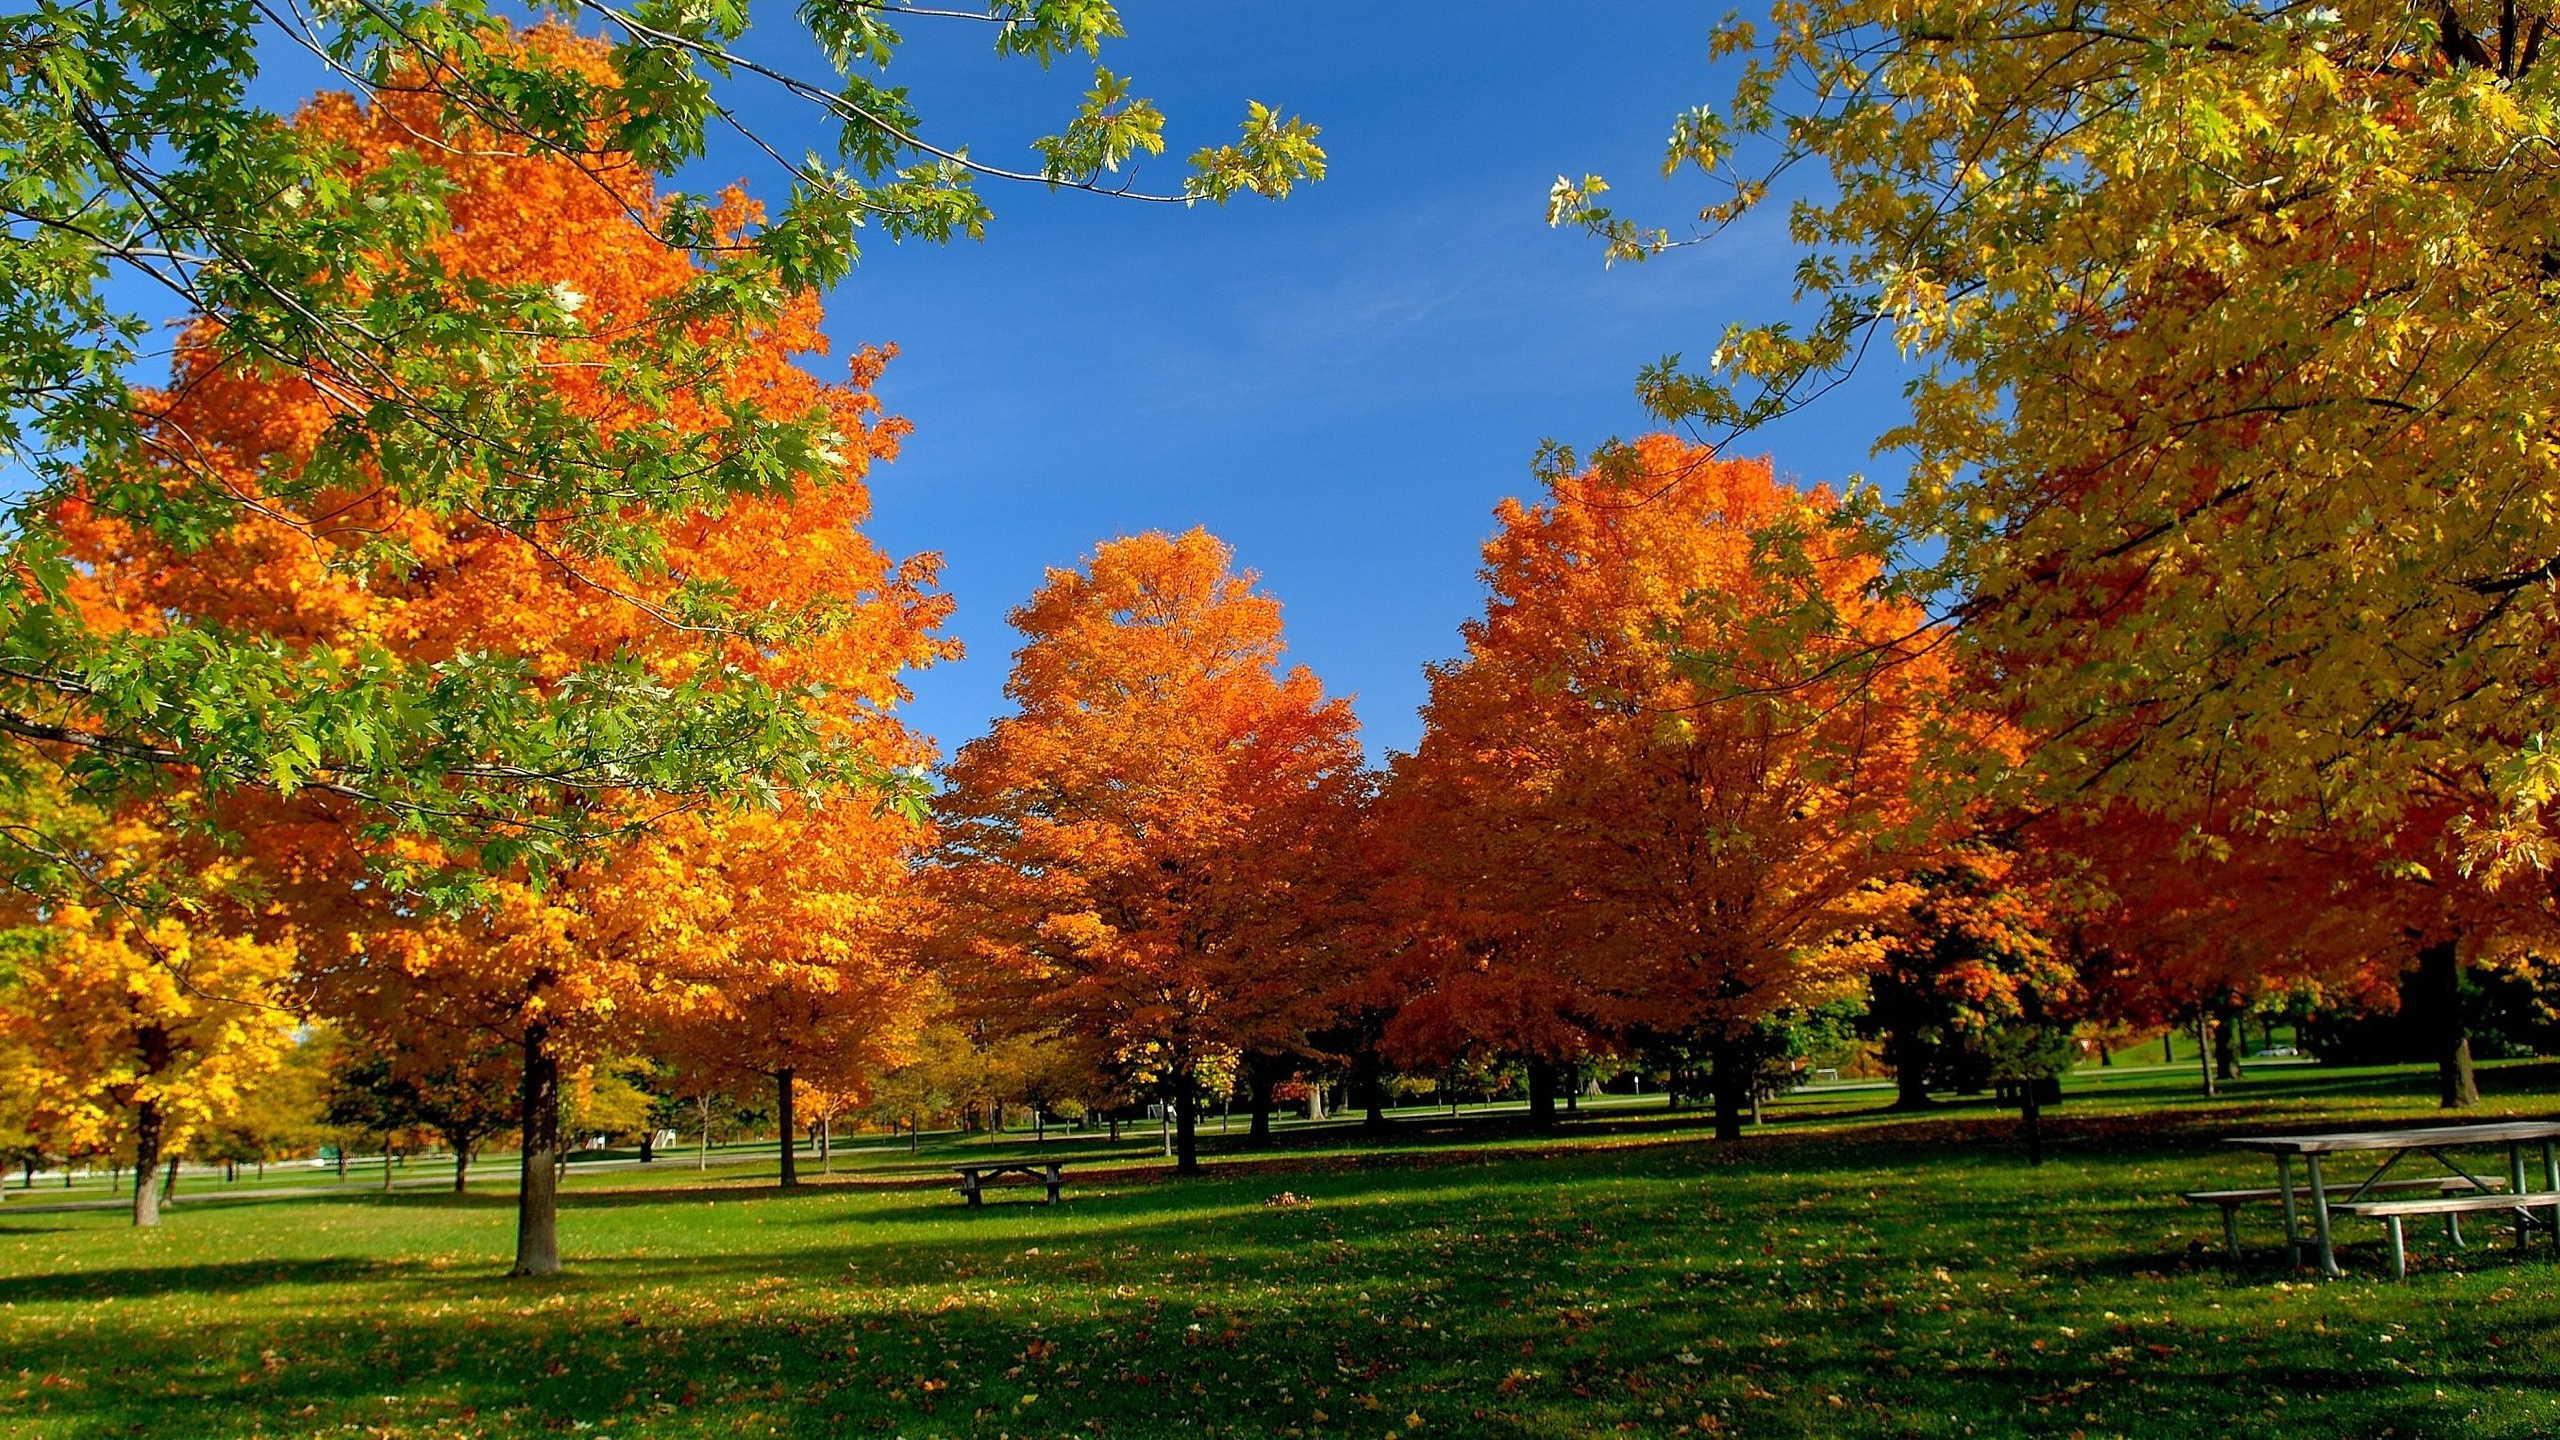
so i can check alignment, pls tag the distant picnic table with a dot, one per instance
(973, 1178)
(2456, 1191)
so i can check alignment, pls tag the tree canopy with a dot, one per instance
(138, 161)
(2231, 438)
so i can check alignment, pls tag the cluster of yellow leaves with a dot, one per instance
(107, 1013)
(2233, 425)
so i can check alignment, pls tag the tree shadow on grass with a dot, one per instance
(215, 1278)
(1565, 1293)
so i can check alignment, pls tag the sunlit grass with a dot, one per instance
(1838, 1273)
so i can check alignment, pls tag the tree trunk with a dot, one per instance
(1186, 1130)
(702, 1156)
(1732, 1083)
(790, 1133)
(386, 1163)
(146, 1158)
(2030, 1109)
(2440, 979)
(915, 1133)
(1369, 1087)
(2168, 1052)
(1908, 1054)
(460, 1145)
(2204, 1051)
(169, 1187)
(649, 1143)
(538, 1191)
(1261, 1077)
(2226, 1043)
(827, 1143)
(1542, 1093)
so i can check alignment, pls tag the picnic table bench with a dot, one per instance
(2456, 1194)
(2232, 1200)
(2392, 1212)
(973, 1178)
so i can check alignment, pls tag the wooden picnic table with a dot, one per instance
(2436, 1142)
(973, 1177)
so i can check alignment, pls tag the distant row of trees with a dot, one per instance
(473, 647)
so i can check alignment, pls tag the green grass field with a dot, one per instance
(1839, 1273)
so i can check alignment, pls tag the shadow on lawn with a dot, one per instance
(1570, 1291)
(219, 1278)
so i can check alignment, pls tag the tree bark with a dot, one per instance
(2226, 1044)
(538, 1192)
(1261, 1077)
(2031, 1108)
(1369, 1087)
(2440, 978)
(790, 1133)
(1908, 1054)
(2204, 1051)
(1732, 1083)
(386, 1162)
(649, 1143)
(1542, 1093)
(1186, 1130)
(460, 1145)
(147, 1122)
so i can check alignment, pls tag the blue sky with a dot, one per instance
(1340, 385)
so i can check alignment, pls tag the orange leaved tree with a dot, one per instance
(772, 597)
(787, 960)
(1128, 856)
(1667, 791)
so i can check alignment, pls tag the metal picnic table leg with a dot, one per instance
(2320, 1216)
(2515, 1186)
(2292, 1222)
(2551, 1182)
